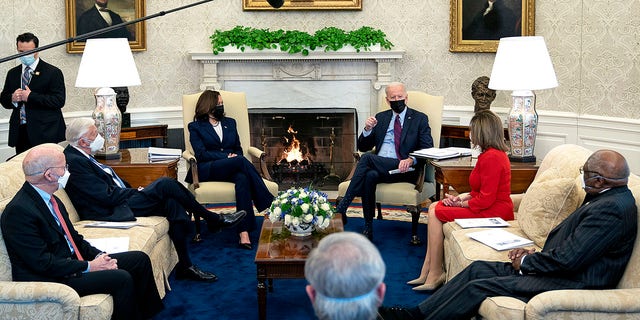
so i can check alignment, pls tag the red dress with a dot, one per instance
(490, 183)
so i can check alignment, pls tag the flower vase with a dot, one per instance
(300, 230)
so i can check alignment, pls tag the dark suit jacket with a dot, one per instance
(593, 245)
(416, 133)
(44, 115)
(207, 146)
(93, 192)
(91, 20)
(35, 243)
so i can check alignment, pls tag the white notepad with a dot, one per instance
(482, 222)
(499, 239)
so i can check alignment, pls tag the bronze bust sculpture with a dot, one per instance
(481, 93)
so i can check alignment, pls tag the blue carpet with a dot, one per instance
(234, 295)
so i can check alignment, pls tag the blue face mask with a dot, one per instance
(28, 59)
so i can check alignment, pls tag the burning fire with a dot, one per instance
(292, 150)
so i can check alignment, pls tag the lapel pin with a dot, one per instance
(37, 73)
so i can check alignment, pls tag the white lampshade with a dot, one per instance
(107, 62)
(522, 63)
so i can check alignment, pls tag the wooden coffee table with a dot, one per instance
(455, 173)
(283, 258)
(135, 167)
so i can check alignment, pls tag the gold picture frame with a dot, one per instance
(82, 15)
(473, 28)
(248, 5)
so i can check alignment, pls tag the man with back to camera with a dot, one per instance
(35, 93)
(395, 134)
(588, 250)
(345, 274)
(43, 245)
(99, 194)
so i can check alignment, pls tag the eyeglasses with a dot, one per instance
(582, 171)
(598, 175)
(66, 168)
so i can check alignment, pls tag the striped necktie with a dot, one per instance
(110, 172)
(63, 224)
(26, 78)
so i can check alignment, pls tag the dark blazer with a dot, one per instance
(93, 192)
(91, 20)
(207, 146)
(416, 133)
(593, 245)
(35, 243)
(44, 115)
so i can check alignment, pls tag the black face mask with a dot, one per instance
(397, 106)
(218, 112)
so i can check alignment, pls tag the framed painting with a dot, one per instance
(85, 16)
(477, 26)
(304, 5)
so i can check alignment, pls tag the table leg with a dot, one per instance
(262, 299)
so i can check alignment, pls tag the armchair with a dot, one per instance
(412, 195)
(217, 191)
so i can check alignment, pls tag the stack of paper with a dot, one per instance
(157, 154)
(111, 224)
(499, 239)
(481, 222)
(442, 153)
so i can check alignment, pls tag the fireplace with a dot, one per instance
(305, 146)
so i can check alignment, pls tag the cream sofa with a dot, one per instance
(45, 300)
(554, 194)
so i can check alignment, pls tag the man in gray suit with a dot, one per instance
(588, 250)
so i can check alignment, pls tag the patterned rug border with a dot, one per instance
(389, 212)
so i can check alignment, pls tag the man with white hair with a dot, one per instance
(345, 274)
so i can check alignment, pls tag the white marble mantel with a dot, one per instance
(276, 79)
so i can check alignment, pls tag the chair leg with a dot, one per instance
(379, 206)
(415, 216)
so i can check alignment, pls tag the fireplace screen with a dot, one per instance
(306, 146)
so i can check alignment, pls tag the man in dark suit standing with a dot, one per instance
(99, 17)
(43, 245)
(394, 133)
(99, 194)
(588, 250)
(35, 92)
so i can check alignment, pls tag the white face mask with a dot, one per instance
(62, 180)
(97, 143)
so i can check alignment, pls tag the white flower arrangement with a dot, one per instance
(301, 209)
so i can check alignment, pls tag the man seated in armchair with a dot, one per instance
(588, 250)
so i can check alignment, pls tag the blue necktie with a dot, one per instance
(26, 78)
(109, 171)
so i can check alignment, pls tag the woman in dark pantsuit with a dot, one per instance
(217, 149)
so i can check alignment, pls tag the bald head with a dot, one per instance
(36, 165)
(607, 168)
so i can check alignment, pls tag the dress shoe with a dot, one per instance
(194, 273)
(226, 221)
(245, 246)
(416, 281)
(395, 313)
(430, 286)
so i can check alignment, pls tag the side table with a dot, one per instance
(135, 167)
(145, 132)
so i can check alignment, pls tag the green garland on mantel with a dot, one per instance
(295, 41)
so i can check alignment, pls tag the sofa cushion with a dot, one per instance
(506, 308)
(548, 201)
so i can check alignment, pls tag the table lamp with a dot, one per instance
(107, 63)
(522, 64)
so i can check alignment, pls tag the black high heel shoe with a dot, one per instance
(246, 246)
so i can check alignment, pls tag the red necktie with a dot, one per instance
(397, 133)
(63, 224)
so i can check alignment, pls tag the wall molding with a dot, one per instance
(554, 128)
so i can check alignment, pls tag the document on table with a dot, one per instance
(442, 153)
(111, 224)
(499, 239)
(481, 222)
(157, 154)
(111, 245)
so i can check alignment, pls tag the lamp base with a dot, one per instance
(108, 156)
(522, 159)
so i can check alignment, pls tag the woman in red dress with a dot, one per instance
(490, 183)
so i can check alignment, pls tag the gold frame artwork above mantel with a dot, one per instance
(128, 10)
(465, 14)
(248, 5)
